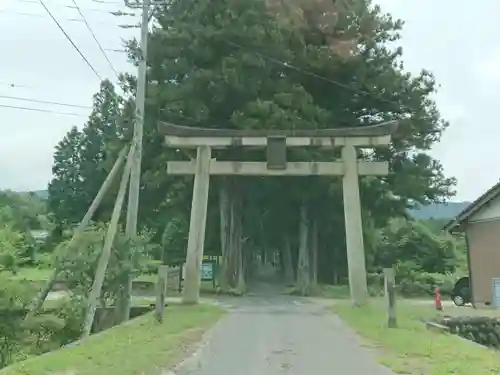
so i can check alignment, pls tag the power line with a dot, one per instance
(311, 74)
(44, 102)
(107, 2)
(42, 16)
(15, 85)
(66, 6)
(96, 40)
(70, 40)
(42, 110)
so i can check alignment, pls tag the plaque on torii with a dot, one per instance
(276, 143)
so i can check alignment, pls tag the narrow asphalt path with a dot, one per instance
(277, 334)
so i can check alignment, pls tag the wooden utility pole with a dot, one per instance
(123, 303)
(102, 264)
(38, 302)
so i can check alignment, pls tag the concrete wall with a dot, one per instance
(484, 252)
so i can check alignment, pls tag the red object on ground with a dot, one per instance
(437, 300)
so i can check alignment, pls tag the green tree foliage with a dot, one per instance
(13, 246)
(234, 64)
(265, 65)
(84, 158)
(22, 212)
(20, 215)
(78, 263)
(13, 297)
(416, 245)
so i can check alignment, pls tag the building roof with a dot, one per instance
(473, 208)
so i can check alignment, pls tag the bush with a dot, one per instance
(79, 263)
(419, 284)
(411, 283)
(152, 267)
(12, 249)
(14, 297)
(44, 260)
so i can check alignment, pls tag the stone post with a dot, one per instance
(197, 224)
(354, 227)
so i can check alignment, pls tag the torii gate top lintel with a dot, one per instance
(368, 136)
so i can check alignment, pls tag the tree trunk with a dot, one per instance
(287, 261)
(241, 286)
(224, 234)
(303, 270)
(232, 241)
(313, 250)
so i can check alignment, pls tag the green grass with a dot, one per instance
(43, 274)
(334, 291)
(32, 274)
(140, 347)
(411, 348)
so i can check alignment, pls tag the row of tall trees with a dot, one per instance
(265, 65)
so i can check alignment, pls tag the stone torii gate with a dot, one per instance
(276, 143)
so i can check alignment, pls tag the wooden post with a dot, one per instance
(102, 263)
(354, 227)
(388, 275)
(197, 224)
(391, 293)
(161, 293)
(38, 302)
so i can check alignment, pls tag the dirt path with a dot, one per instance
(273, 335)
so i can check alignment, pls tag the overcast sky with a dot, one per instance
(456, 41)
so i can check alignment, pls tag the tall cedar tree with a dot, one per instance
(84, 158)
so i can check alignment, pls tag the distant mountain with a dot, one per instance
(439, 210)
(432, 211)
(42, 194)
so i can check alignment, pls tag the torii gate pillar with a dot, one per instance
(356, 262)
(197, 225)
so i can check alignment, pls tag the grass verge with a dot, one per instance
(140, 347)
(411, 348)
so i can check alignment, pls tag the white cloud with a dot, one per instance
(489, 68)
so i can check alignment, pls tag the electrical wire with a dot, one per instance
(311, 74)
(107, 2)
(66, 6)
(42, 16)
(44, 102)
(15, 85)
(96, 40)
(42, 110)
(69, 39)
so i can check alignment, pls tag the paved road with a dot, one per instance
(274, 335)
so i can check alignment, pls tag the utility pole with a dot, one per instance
(135, 175)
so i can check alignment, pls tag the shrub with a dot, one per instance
(14, 297)
(79, 263)
(44, 260)
(12, 249)
(411, 283)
